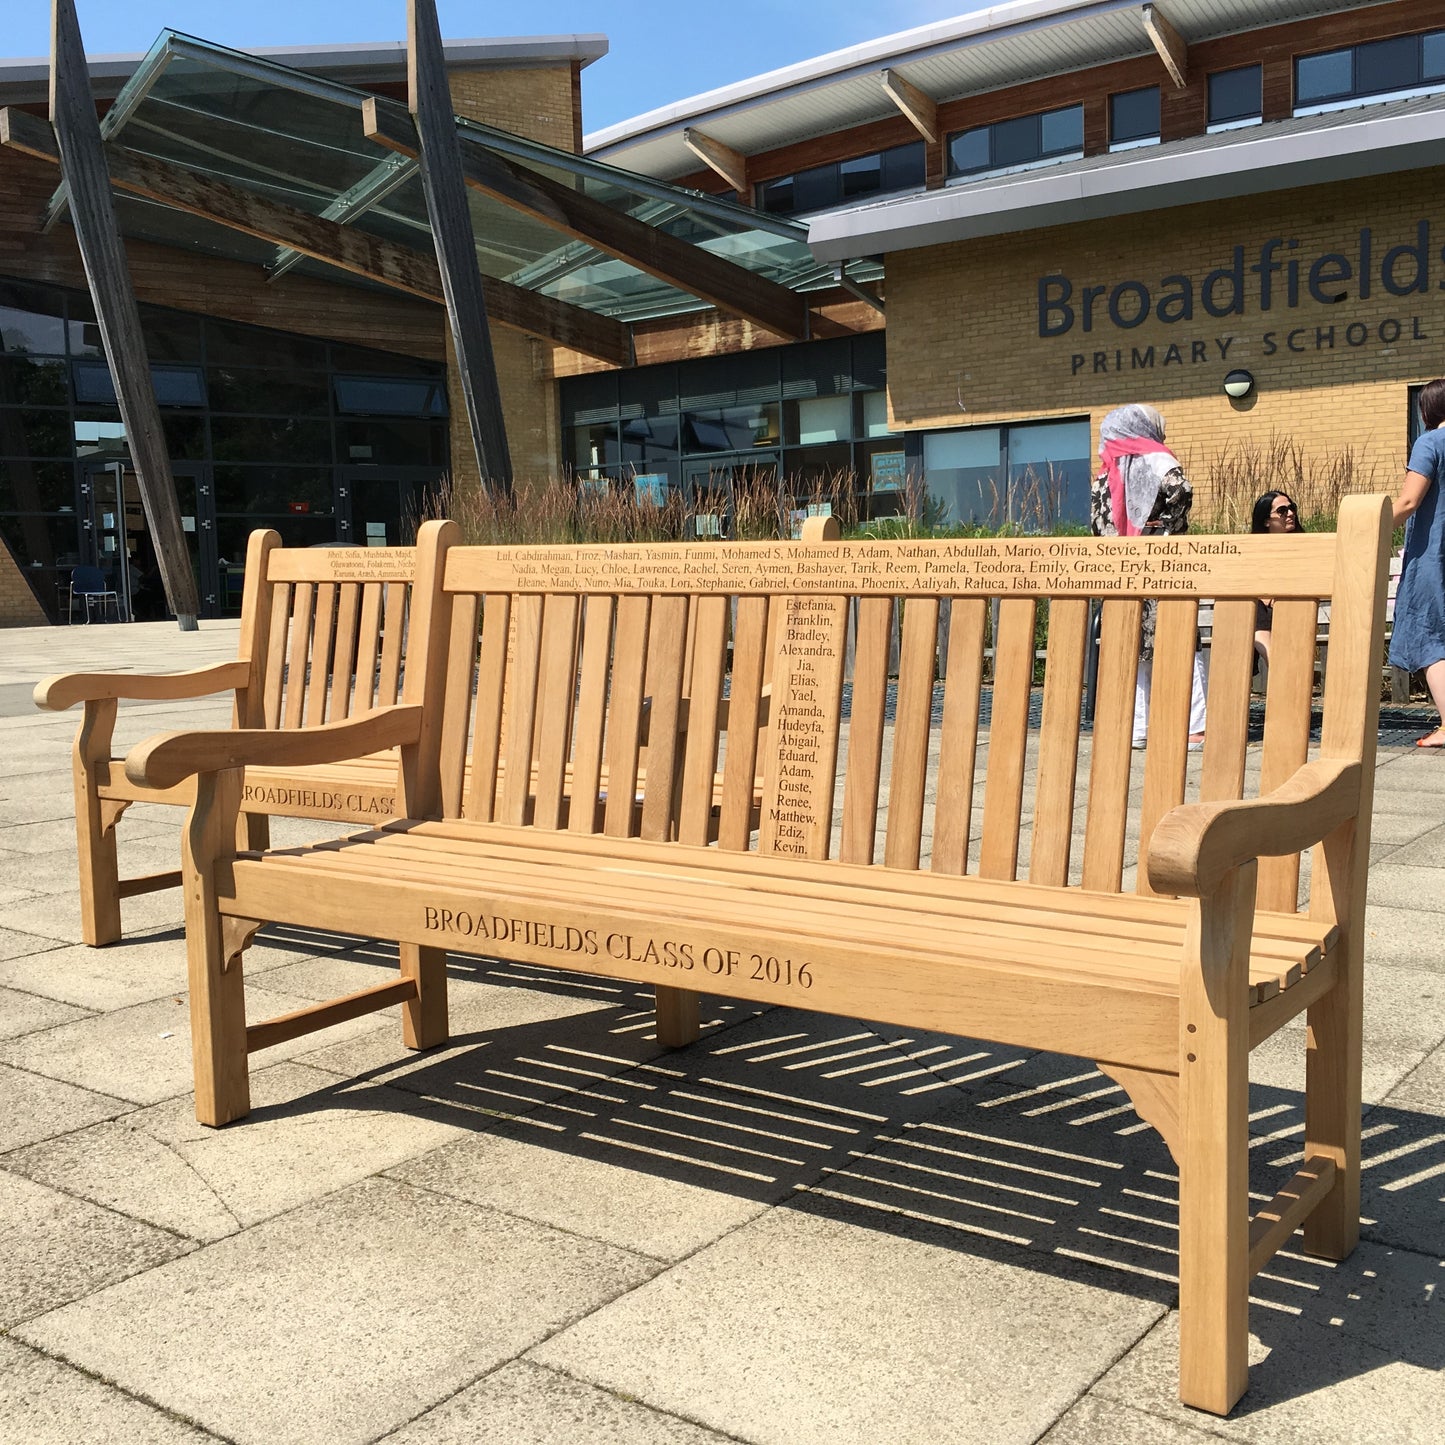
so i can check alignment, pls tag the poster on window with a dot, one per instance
(888, 471)
(650, 489)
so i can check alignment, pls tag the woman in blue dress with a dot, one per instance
(1418, 641)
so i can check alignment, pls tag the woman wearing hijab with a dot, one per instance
(1417, 642)
(1142, 492)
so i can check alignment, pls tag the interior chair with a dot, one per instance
(90, 584)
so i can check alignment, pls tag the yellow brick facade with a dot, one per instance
(539, 103)
(19, 606)
(964, 343)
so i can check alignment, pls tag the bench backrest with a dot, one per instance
(324, 629)
(560, 656)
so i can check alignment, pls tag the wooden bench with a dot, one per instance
(321, 639)
(932, 921)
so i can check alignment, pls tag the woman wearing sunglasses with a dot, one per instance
(1418, 640)
(1273, 512)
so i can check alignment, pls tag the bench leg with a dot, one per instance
(218, 999)
(1214, 1148)
(1332, 1072)
(95, 842)
(679, 1017)
(424, 1022)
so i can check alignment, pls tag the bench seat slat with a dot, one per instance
(690, 889)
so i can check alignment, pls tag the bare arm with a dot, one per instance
(1411, 495)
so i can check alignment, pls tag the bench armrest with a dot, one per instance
(1195, 845)
(68, 688)
(168, 758)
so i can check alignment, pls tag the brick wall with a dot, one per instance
(18, 604)
(540, 104)
(964, 320)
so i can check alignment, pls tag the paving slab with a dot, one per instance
(1307, 1381)
(816, 1323)
(138, 969)
(674, 1153)
(45, 1402)
(26, 1013)
(524, 1404)
(54, 1249)
(1094, 1421)
(37, 1107)
(308, 1135)
(342, 1319)
(143, 1053)
(1392, 885)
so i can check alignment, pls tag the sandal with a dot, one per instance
(1438, 734)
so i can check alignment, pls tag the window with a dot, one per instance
(1025, 140)
(1399, 65)
(1034, 476)
(1134, 116)
(1236, 95)
(883, 173)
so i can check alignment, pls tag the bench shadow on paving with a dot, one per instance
(932, 1137)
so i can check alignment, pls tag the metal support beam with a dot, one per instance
(393, 173)
(731, 165)
(92, 209)
(357, 252)
(1172, 47)
(919, 108)
(429, 100)
(692, 269)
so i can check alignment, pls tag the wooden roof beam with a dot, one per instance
(919, 108)
(730, 164)
(574, 213)
(80, 152)
(399, 267)
(429, 99)
(1172, 47)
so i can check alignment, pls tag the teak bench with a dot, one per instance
(321, 640)
(1168, 984)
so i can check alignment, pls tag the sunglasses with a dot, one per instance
(1285, 511)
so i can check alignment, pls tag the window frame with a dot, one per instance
(1148, 137)
(1420, 85)
(1231, 122)
(1041, 157)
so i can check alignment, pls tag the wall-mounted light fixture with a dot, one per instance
(1238, 384)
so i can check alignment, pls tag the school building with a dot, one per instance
(935, 259)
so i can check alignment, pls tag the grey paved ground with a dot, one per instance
(802, 1229)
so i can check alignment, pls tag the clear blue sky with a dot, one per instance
(662, 50)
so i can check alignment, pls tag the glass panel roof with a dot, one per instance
(297, 139)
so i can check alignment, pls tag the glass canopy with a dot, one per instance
(298, 139)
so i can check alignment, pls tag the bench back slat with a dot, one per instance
(1059, 742)
(1231, 670)
(318, 657)
(303, 606)
(348, 603)
(1286, 731)
(1013, 671)
(907, 783)
(486, 730)
(624, 715)
(666, 652)
(461, 677)
(751, 630)
(275, 671)
(588, 730)
(958, 735)
(1109, 763)
(523, 676)
(706, 667)
(865, 730)
(368, 643)
(1166, 758)
(556, 696)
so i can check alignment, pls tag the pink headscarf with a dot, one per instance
(1131, 431)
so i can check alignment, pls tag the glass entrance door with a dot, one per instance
(118, 539)
(383, 506)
